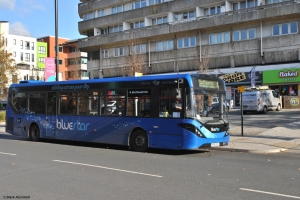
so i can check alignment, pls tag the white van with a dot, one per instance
(260, 101)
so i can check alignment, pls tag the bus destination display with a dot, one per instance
(208, 84)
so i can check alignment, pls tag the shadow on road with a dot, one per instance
(4, 136)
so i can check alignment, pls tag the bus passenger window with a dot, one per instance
(68, 103)
(37, 103)
(19, 101)
(113, 102)
(72, 106)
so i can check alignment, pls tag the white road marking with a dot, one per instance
(258, 191)
(121, 170)
(8, 154)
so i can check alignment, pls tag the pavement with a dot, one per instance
(265, 141)
(275, 140)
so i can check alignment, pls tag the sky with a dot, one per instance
(37, 17)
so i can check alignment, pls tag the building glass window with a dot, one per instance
(113, 10)
(236, 35)
(138, 49)
(100, 13)
(242, 4)
(42, 50)
(219, 37)
(105, 53)
(235, 6)
(212, 39)
(244, 34)
(206, 12)
(186, 42)
(294, 27)
(212, 10)
(165, 45)
(119, 51)
(27, 57)
(226, 37)
(286, 28)
(276, 30)
(251, 3)
(120, 8)
(251, 33)
(139, 24)
(14, 41)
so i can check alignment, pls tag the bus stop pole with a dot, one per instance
(242, 120)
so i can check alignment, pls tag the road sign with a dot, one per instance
(241, 89)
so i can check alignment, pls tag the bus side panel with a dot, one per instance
(16, 124)
(166, 134)
(112, 130)
(192, 141)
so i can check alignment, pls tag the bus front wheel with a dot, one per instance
(139, 141)
(34, 133)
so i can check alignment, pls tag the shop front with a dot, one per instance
(287, 83)
(234, 80)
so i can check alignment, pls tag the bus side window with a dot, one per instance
(20, 101)
(51, 103)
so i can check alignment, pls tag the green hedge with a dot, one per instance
(2, 116)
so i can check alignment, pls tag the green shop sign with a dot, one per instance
(281, 76)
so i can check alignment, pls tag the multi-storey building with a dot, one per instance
(76, 62)
(71, 62)
(177, 36)
(23, 49)
(62, 53)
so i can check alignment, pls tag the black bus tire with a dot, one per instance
(34, 133)
(139, 141)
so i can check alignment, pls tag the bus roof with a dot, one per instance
(115, 79)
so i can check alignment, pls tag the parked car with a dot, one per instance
(111, 106)
(3, 105)
(260, 101)
(215, 105)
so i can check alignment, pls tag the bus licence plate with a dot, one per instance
(215, 144)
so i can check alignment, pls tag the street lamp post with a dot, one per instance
(56, 39)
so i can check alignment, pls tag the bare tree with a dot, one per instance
(202, 67)
(7, 68)
(135, 59)
(74, 71)
(202, 60)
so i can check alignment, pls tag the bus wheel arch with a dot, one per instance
(138, 140)
(34, 132)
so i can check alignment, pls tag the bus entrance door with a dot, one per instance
(51, 114)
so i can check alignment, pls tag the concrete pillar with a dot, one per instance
(232, 62)
(170, 17)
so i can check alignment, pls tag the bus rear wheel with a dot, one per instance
(34, 133)
(139, 141)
